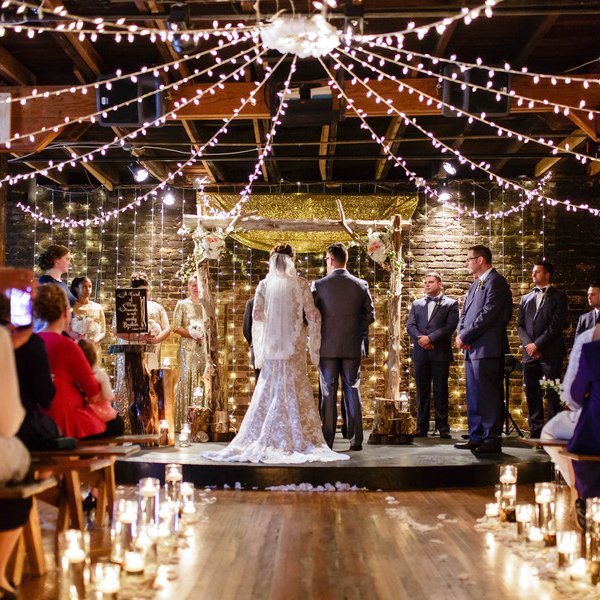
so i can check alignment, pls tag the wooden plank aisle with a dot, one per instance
(305, 546)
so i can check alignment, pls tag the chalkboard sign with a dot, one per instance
(131, 309)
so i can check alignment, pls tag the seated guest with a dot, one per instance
(55, 261)
(590, 319)
(585, 391)
(73, 376)
(562, 426)
(38, 430)
(14, 513)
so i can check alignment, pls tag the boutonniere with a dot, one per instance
(480, 285)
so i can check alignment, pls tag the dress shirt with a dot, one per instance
(540, 293)
(431, 304)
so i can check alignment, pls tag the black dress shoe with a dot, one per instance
(488, 449)
(445, 435)
(420, 433)
(467, 445)
(355, 448)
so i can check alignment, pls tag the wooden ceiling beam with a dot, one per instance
(13, 70)
(544, 165)
(47, 112)
(534, 39)
(323, 148)
(590, 126)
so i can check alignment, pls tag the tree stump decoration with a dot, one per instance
(391, 424)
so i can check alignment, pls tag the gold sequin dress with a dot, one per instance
(191, 358)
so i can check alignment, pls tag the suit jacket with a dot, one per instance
(543, 327)
(346, 310)
(439, 328)
(486, 313)
(586, 321)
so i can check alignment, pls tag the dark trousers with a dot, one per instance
(485, 406)
(532, 373)
(330, 370)
(437, 372)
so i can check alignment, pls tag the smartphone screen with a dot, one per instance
(20, 308)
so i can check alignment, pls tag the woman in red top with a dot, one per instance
(73, 376)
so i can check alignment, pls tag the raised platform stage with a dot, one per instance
(425, 464)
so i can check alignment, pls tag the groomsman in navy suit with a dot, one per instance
(592, 318)
(482, 336)
(542, 319)
(431, 323)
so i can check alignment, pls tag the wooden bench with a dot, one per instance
(551, 443)
(147, 439)
(99, 473)
(30, 542)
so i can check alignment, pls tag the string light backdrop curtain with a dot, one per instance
(303, 206)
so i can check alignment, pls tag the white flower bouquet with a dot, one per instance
(154, 328)
(197, 330)
(554, 385)
(85, 326)
(378, 246)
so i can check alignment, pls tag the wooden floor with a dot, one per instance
(350, 545)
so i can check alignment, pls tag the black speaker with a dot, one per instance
(475, 101)
(134, 114)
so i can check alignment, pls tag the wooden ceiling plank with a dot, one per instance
(13, 70)
(534, 39)
(99, 173)
(544, 165)
(390, 137)
(323, 148)
(590, 127)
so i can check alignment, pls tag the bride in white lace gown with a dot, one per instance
(282, 424)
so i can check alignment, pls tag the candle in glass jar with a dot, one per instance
(74, 555)
(508, 474)
(578, 569)
(134, 562)
(173, 475)
(492, 509)
(544, 496)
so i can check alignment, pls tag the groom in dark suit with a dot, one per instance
(542, 319)
(431, 323)
(346, 312)
(482, 336)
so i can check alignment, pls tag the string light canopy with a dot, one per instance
(298, 37)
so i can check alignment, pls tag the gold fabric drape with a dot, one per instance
(313, 206)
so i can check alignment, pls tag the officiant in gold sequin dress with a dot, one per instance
(189, 323)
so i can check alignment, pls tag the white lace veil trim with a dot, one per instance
(283, 310)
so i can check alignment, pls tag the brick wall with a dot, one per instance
(146, 238)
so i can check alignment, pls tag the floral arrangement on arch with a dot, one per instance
(380, 248)
(208, 245)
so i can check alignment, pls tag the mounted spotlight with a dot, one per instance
(168, 198)
(179, 22)
(354, 21)
(449, 168)
(139, 173)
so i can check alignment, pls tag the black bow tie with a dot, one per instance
(537, 289)
(428, 300)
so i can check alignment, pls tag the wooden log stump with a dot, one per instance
(391, 424)
(201, 418)
(161, 391)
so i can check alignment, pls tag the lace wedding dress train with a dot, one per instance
(282, 425)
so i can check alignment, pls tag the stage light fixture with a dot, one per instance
(140, 174)
(449, 168)
(168, 198)
(179, 22)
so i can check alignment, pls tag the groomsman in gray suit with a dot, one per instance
(431, 323)
(346, 312)
(542, 319)
(482, 336)
(592, 318)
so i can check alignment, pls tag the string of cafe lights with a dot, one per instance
(498, 92)
(424, 96)
(479, 63)
(120, 140)
(107, 216)
(104, 112)
(399, 161)
(100, 25)
(119, 75)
